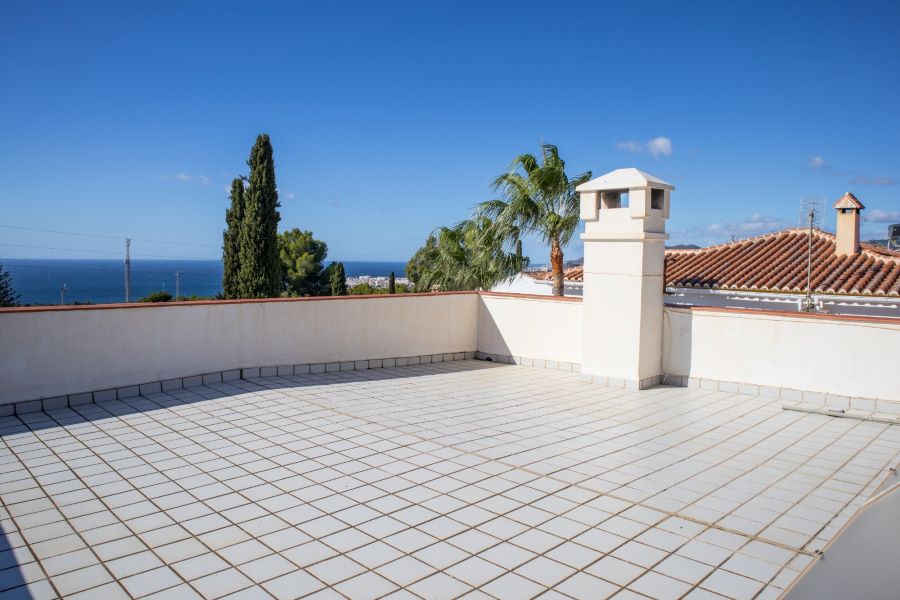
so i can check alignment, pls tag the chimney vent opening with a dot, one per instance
(614, 199)
(657, 197)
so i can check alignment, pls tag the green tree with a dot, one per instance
(538, 198)
(338, 279)
(8, 295)
(260, 265)
(420, 265)
(363, 289)
(231, 241)
(471, 255)
(392, 284)
(302, 256)
(160, 296)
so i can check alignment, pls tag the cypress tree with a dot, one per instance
(8, 296)
(392, 284)
(260, 265)
(338, 279)
(231, 241)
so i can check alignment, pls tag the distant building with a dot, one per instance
(770, 271)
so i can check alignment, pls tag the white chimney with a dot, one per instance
(624, 215)
(847, 237)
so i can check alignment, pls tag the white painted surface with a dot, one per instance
(832, 356)
(623, 179)
(530, 327)
(56, 352)
(624, 253)
(50, 353)
(523, 284)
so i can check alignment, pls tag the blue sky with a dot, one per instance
(390, 119)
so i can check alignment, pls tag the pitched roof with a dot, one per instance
(848, 200)
(573, 274)
(776, 262)
(623, 179)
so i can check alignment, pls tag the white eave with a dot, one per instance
(624, 179)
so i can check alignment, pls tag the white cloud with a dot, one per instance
(882, 216)
(713, 233)
(290, 195)
(187, 178)
(818, 164)
(630, 146)
(660, 146)
(864, 180)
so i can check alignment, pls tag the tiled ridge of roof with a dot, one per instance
(572, 274)
(777, 262)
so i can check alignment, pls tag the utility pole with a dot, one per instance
(127, 270)
(177, 285)
(62, 295)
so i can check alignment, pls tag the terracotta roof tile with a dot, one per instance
(777, 262)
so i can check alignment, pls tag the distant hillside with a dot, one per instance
(683, 247)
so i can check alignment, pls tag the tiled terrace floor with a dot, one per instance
(432, 481)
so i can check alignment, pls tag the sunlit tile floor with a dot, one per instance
(434, 481)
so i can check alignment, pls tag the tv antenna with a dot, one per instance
(812, 209)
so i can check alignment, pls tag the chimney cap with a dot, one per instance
(624, 179)
(848, 200)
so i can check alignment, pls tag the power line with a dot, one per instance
(123, 237)
(45, 264)
(107, 237)
(103, 251)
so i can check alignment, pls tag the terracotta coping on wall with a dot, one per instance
(787, 313)
(532, 296)
(73, 307)
(219, 302)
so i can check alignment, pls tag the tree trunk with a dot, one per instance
(556, 265)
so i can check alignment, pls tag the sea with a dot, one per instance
(47, 281)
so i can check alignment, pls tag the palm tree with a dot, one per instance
(471, 255)
(538, 199)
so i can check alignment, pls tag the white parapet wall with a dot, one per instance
(51, 352)
(834, 356)
(96, 351)
(534, 330)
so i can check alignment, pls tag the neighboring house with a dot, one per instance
(770, 271)
(541, 283)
